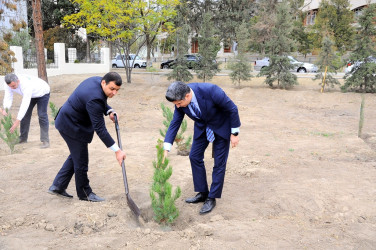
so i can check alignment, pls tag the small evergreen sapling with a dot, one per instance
(184, 145)
(240, 70)
(11, 139)
(54, 111)
(162, 199)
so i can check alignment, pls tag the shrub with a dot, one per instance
(11, 139)
(184, 145)
(162, 199)
(54, 111)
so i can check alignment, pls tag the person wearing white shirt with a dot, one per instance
(34, 91)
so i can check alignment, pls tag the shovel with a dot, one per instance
(130, 202)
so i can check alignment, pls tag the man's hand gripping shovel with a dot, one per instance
(130, 202)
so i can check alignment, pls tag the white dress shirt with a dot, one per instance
(29, 87)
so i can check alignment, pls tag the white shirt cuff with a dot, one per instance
(114, 147)
(235, 130)
(110, 111)
(167, 146)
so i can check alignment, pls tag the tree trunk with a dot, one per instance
(39, 44)
(129, 74)
(88, 57)
(148, 51)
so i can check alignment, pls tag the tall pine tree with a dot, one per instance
(279, 47)
(209, 46)
(241, 67)
(363, 75)
(335, 17)
(262, 25)
(180, 71)
(328, 63)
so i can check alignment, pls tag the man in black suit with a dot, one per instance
(78, 118)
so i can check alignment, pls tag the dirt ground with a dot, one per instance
(299, 179)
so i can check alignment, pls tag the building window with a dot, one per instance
(227, 46)
(311, 16)
(194, 46)
(358, 11)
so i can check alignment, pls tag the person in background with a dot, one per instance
(216, 120)
(78, 118)
(34, 91)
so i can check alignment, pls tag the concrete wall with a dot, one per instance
(62, 66)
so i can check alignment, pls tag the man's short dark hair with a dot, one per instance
(177, 91)
(10, 78)
(112, 76)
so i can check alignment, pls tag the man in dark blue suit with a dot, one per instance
(78, 118)
(216, 120)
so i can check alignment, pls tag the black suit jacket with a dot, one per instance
(83, 113)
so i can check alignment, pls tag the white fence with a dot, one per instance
(62, 66)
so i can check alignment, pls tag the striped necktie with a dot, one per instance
(209, 133)
(196, 111)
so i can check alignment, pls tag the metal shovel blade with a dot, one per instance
(132, 205)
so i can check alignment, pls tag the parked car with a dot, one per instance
(300, 67)
(192, 60)
(262, 63)
(351, 65)
(134, 60)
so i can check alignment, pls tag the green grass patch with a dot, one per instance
(324, 134)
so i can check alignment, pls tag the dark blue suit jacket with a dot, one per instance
(217, 110)
(82, 113)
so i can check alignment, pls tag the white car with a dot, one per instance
(134, 61)
(351, 65)
(300, 67)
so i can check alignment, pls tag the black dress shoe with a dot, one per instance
(93, 198)
(56, 191)
(20, 141)
(200, 197)
(208, 206)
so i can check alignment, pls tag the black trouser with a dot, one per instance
(42, 103)
(77, 164)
